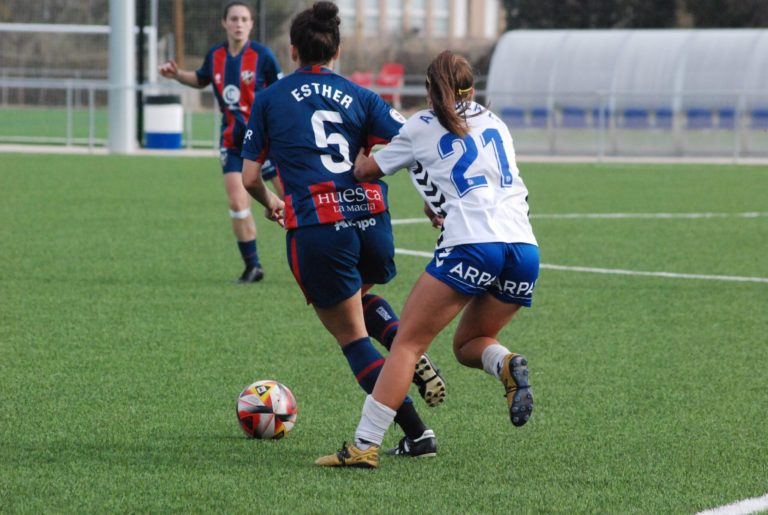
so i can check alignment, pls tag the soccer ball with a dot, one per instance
(266, 409)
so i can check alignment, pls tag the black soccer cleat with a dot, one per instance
(429, 381)
(424, 446)
(251, 274)
(514, 377)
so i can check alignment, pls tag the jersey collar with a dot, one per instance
(314, 68)
(245, 47)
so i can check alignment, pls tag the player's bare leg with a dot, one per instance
(430, 307)
(244, 227)
(475, 345)
(382, 324)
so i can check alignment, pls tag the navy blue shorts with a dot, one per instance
(508, 271)
(232, 162)
(332, 261)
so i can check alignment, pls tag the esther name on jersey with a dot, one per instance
(315, 88)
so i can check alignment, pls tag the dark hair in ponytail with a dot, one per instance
(315, 33)
(450, 81)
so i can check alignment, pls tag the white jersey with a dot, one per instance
(472, 181)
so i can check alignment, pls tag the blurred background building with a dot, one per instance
(576, 77)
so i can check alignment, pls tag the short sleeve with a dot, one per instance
(271, 68)
(384, 122)
(205, 72)
(397, 155)
(255, 143)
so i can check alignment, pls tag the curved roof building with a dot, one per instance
(675, 80)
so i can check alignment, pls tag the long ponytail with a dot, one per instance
(450, 83)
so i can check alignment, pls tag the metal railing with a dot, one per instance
(82, 101)
(76, 110)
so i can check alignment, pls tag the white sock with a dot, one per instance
(492, 357)
(374, 422)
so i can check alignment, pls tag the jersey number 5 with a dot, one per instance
(459, 178)
(323, 140)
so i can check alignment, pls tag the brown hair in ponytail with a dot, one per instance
(450, 81)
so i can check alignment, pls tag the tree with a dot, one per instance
(728, 13)
(590, 14)
(636, 14)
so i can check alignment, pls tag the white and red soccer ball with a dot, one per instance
(266, 409)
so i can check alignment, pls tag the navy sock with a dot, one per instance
(381, 322)
(249, 253)
(366, 362)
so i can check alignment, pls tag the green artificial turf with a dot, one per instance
(124, 344)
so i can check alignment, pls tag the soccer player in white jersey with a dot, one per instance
(486, 261)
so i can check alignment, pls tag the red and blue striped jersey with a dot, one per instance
(236, 79)
(313, 123)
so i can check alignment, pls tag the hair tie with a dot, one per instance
(464, 91)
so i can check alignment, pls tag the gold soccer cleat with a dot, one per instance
(514, 376)
(350, 456)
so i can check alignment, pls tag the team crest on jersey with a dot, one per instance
(247, 76)
(231, 94)
(396, 115)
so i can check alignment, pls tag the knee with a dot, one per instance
(414, 348)
(239, 202)
(240, 214)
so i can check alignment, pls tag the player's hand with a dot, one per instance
(437, 220)
(169, 70)
(366, 169)
(276, 211)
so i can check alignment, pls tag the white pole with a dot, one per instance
(122, 76)
(152, 46)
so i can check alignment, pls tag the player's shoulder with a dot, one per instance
(260, 48)
(480, 117)
(422, 119)
(353, 88)
(363, 95)
(218, 46)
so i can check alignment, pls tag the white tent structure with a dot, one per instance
(687, 82)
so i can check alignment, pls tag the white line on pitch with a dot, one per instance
(613, 216)
(670, 275)
(618, 271)
(744, 507)
(651, 215)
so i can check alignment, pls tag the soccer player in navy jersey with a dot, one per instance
(313, 123)
(239, 69)
(486, 260)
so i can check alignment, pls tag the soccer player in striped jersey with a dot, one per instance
(313, 123)
(238, 69)
(486, 261)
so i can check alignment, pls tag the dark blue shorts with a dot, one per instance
(332, 261)
(508, 271)
(232, 162)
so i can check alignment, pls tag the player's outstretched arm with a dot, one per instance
(170, 70)
(255, 186)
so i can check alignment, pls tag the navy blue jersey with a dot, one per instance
(236, 79)
(313, 123)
